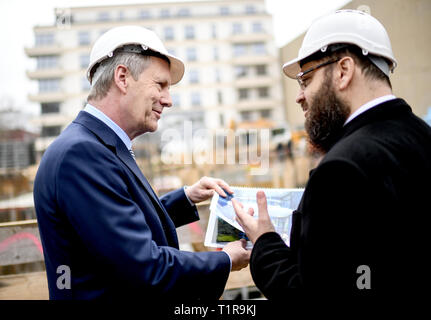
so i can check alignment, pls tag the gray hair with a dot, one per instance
(103, 77)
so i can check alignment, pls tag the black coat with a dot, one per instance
(364, 206)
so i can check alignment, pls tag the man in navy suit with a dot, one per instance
(105, 233)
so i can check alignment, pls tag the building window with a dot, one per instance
(221, 119)
(250, 10)
(49, 85)
(184, 12)
(50, 107)
(239, 49)
(191, 54)
(246, 115)
(219, 97)
(224, 11)
(261, 70)
(50, 131)
(263, 92)
(193, 76)
(104, 16)
(164, 13)
(257, 27)
(259, 48)
(214, 31)
(240, 71)
(176, 101)
(266, 113)
(243, 93)
(215, 53)
(189, 32)
(217, 75)
(83, 38)
(237, 28)
(44, 39)
(196, 99)
(47, 62)
(84, 60)
(171, 51)
(144, 14)
(168, 33)
(16, 154)
(120, 16)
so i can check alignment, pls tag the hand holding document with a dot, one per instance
(254, 228)
(223, 227)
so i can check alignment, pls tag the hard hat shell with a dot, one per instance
(126, 35)
(344, 26)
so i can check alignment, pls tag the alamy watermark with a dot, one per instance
(221, 146)
(64, 280)
(364, 280)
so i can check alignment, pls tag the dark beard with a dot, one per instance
(326, 116)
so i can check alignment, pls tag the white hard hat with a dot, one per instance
(118, 37)
(349, 27)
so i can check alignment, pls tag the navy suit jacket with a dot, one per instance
(99, 216)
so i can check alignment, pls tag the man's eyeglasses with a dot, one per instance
(299, 76)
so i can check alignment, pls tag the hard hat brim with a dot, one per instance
(292, 68)
(176, 68)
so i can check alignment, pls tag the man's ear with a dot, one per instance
(345, 72)
(121, 74)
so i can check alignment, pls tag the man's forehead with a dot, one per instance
(161, 69)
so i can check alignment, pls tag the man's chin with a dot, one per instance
(154, 126)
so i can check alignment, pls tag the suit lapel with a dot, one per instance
(114, 143)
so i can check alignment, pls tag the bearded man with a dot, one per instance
(360, 225)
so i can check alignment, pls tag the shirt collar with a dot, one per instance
(111, 124)
(369, 105)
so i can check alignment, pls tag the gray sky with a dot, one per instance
(17, 18)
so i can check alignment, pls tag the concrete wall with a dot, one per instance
(408, 23)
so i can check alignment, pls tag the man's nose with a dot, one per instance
(300, 97)
(166, 99)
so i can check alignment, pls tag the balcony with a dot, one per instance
(248, 37)
(48, 97)
(54, 49)
(45, 73)
(52, 119)
(255, 81)
(257, 103)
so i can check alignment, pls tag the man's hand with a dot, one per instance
(205, 187)
(252, 227)
(239, 255)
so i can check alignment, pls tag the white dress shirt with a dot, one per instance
(369, 105)
(111, 124)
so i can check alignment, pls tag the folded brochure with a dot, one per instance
(223, 228)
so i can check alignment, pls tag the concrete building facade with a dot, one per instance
(232, 64)
(408, 24)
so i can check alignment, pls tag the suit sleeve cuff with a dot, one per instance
(190, 201)
(230, 260)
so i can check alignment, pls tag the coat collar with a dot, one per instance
(386, 110)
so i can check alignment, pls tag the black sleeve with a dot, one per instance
(272, 266)
(336, 223)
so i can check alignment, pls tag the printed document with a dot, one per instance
(223, 228)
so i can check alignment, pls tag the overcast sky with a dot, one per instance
(17, 18)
